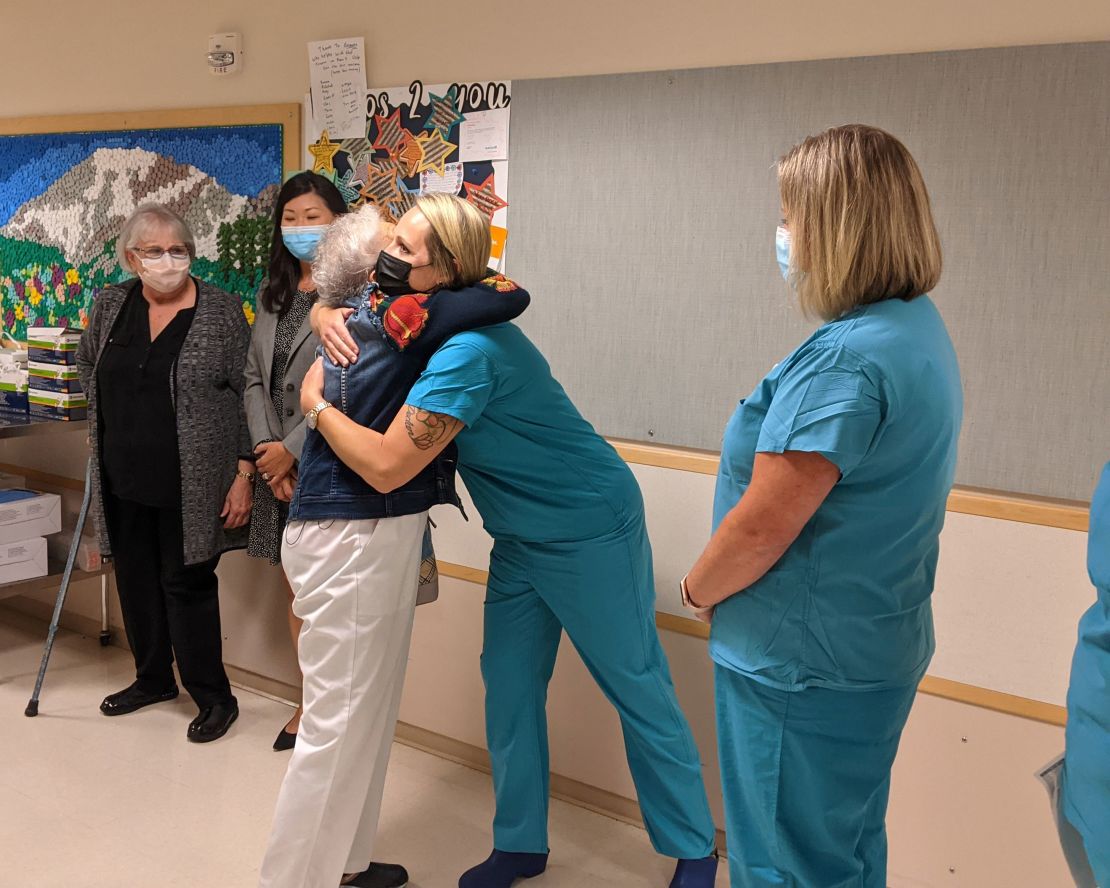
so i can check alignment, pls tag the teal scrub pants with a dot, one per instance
(806, 777)
(602, 593)
(1088, 858)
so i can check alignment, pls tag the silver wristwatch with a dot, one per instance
(313, 415)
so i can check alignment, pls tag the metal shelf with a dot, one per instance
(56, 567)
(20, 425)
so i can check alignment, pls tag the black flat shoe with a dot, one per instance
(213, 722)
(381, 875)
(285, 740)
(131, 698)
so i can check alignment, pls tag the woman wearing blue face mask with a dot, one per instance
(830, 498)
(282, 348)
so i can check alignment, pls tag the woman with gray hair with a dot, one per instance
(162, 365)
(352, 551)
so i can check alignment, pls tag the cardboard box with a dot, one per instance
(52, 345)
(57, 405)
(88, 551)
(28, 513)
(23, 560)
(52, 378)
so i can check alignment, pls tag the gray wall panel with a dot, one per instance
(643, 215)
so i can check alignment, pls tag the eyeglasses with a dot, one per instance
(158, 252)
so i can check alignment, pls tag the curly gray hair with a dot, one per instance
(347, 253)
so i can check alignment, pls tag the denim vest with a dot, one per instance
(396, 336)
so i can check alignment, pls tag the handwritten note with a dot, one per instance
(484, 135)
(449, 183)
(337, 78)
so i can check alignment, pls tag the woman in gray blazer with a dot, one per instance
(282, 349)
(162, 365)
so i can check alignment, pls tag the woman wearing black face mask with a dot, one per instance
(352, 551)
(570, 553)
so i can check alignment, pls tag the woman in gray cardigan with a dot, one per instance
(162, 365)
(282, 349)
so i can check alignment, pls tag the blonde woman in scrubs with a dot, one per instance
(829, 504)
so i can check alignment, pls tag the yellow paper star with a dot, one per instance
(323, 154)
(436, 151)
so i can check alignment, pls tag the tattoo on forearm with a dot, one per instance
(427, 429)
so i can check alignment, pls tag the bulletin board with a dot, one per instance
(67, 184)
(644, 215)
(441, 137)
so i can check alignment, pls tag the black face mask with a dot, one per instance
(392, 274)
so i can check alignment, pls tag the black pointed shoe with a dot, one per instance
(213, 722)
(131, 698)
(381, 875)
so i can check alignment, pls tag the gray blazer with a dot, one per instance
(208, 400)
(264, 423)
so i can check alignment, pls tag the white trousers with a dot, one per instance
(354, 585)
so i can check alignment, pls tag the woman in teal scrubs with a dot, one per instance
(1085, 799)
(570, 553)
(830, 499)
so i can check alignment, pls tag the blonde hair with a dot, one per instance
(861, 226)
(146, 219)
(459, 242)
(346, 254)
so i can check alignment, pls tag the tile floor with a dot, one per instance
(87, 801)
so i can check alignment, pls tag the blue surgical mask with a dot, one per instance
(782, 251)
(302, 240)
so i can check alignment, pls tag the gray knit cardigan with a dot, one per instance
(207, 389)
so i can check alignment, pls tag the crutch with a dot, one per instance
(33, 704)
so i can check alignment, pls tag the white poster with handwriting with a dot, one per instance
(337, 79)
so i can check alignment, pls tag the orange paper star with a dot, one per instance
(381, 186)
(483, 197)
(410, 157)
(392, 136)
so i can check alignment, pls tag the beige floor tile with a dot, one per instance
(124, 802)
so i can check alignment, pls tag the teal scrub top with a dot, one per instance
(877, 392)
(1087, 761)
(536, 469)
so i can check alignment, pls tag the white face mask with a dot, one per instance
(165, 274)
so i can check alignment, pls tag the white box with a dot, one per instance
(27, 513)
(88, 552)
(23, 560)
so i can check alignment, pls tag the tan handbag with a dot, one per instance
(428, 588)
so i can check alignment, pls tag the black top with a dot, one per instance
(138, 422)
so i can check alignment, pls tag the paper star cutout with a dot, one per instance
(381, 186)
(392, 136)
(483, 197)
(436, 151)
(444, 114)
(406, 199)
(349, 187)
(323, 154)
(410, 157)
(356, 147)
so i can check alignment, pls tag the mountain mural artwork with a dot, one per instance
(65, 196)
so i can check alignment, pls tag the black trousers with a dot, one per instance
(169, 609)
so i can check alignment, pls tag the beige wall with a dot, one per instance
(972, 806)
(71, 56)
(964, 795)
